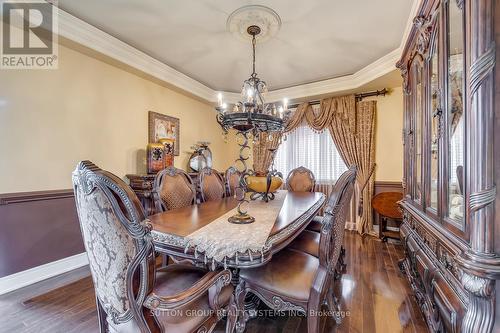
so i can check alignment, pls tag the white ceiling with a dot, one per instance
(318, 40)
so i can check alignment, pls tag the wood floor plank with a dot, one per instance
(373, 292)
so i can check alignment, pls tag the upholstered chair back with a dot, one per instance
(232, 180)
(332, 230)
(173, 188)
(300, 179)
(117, 242)
(211, 185)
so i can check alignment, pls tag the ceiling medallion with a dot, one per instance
(254, 15)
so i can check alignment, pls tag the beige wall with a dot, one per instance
(388, 139)
(88, 109)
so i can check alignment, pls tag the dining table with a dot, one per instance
(173, 230)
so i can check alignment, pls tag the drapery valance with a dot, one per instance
(342, 109)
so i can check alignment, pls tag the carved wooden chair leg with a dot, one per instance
(313, 318)
(164, 260)
(330, 300)
(340, 268)
(337, 274)
(401, 265)
(232, 315)
(333, 304)
(101, 316)
(336, 308)
(343, 265)
(316, 299)
(242, 315)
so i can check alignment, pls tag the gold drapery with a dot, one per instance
(352, 127)
(358, 148)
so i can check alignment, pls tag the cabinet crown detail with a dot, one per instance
(424, 27)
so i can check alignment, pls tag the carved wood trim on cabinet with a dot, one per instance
(453, 270)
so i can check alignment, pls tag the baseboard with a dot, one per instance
(36, 274)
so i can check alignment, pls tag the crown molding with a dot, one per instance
(369, 73)
(83, 33)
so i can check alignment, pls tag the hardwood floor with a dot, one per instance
(374, 294)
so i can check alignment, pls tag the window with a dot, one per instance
(315, 151)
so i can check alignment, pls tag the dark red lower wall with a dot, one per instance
(37, 228)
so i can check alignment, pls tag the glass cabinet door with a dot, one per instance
(417, 131)
(434, 117)
(455, 116)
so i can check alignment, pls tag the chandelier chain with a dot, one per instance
(253, 63)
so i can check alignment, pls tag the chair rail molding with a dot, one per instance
(36, 274)
(85, 34)
(20, 197)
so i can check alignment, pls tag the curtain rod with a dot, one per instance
(359, 97)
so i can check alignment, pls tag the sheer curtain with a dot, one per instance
(313, 150)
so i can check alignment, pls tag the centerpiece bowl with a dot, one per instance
(260, 183)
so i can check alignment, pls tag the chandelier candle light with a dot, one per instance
(249, 118)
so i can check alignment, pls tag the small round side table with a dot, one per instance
(385, 205)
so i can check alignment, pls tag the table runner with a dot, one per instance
(220, 240)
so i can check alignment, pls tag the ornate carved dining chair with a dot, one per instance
(308, 240)
(173, 188)
(296, 280)
(232, 180)
(211, 185)
(131, 295)
(300, 179)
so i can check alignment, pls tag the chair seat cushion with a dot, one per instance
(315, 224)
(307, 241)
(174, 279)
(289, 273)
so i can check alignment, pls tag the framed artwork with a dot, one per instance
(164, 127)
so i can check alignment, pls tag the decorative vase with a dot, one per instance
(168, 147)
(156, 157)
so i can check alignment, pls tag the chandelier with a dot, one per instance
(252, 113)
(252, 116)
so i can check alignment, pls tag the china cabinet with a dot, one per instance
(450, 228)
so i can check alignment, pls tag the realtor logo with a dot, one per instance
(29, 35)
